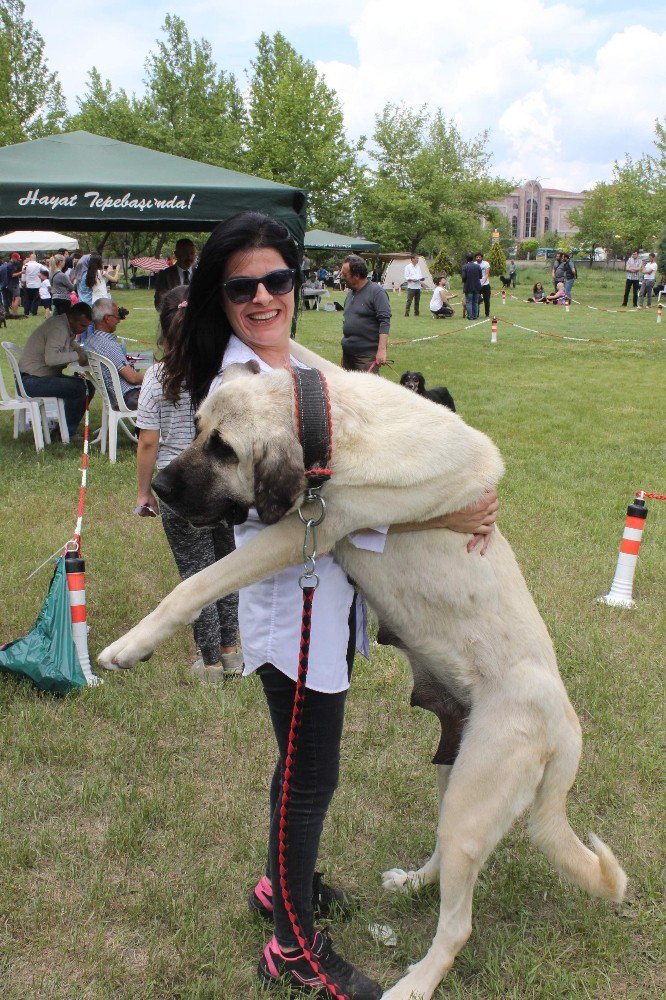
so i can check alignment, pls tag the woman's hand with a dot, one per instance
(146, 505)
(477, 520)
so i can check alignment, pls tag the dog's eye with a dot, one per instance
(219, 449)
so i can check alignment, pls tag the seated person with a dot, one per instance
(558, 296)
(538, 293)
(48, 350)
(439, 303)
(104, 341)
(310, 285)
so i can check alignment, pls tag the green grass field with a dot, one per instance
(133, 815)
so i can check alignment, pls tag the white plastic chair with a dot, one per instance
(113, 415)
(20, 407)
(13, 352)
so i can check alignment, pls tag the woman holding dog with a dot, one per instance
(240, 309)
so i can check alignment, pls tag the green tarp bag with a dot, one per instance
(47, 654)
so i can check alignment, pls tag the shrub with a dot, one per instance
(497, 260)
(442, 262)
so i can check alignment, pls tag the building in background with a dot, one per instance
(533, 210)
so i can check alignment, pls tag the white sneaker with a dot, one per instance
(213, 674)
(232, 663)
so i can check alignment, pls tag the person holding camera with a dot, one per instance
(106, 315)
(48, 351)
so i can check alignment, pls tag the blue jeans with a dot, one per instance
(69, 388)
(472, 300)
(568, 285)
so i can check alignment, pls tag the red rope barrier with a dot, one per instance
(299, 699)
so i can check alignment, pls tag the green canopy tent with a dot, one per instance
(318, 240)
(85, 182)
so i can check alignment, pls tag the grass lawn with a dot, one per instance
(133, 815)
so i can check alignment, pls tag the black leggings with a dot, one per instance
(315, 778)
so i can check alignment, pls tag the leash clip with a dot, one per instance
(308, 578)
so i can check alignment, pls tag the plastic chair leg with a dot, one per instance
(39, 421)
(113, 437)
(62, 420)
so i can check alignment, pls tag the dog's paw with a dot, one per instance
(403, 990)
(395, 880)
(126, 651)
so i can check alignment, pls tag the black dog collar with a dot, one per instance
(313, 420)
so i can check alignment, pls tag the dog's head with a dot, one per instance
(245, 454)
(414, 381)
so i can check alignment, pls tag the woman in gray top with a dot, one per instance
(61, 287)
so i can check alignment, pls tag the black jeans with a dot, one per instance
(631, 286)
(315, 777)
(31, 302)
(70, 388)
(485, 295)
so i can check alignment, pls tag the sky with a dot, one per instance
(563, 89)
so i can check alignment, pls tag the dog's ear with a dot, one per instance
(240, 371)
(279, 476)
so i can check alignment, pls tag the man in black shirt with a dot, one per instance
(471, 276)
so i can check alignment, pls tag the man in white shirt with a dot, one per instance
(485, 282)
(32, 278)
(413, 277)
(647, 285)
(179, 273)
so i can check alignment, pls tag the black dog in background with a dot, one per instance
(440, 394)
(505, 281)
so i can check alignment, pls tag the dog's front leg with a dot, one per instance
(268, 552)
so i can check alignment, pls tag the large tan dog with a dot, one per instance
(467, 623)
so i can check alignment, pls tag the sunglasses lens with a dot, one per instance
(241, 290)
(279, 282)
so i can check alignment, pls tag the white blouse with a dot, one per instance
(269, 612)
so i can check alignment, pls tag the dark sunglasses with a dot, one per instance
(279, 282)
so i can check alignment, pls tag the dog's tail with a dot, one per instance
(597, 870)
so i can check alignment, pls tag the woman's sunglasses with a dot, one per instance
(280, 282)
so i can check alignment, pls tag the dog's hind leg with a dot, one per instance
(596, 870)
(493, 781)
(398, 880)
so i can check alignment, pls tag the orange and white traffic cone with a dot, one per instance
(567, 304)
(620, 594)
(660, 311)
(76, 584)
(493, 330)
(504, 296)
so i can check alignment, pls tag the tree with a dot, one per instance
(296, 133)
(442, 262)
(527, 248)
(428, 186)
(33, 103)
(497, 260)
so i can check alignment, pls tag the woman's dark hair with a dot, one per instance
(94, 265)
(172, 318)
(195, 355)
(536, 289)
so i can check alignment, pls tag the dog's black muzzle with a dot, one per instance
(193, 500)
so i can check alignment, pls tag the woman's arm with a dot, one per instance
(477, 520)
(146, 456)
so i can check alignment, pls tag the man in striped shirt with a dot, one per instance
(103, 341)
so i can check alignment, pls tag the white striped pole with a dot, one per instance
(504, 296)
(76, 585)
(620, 594)
(493, 330)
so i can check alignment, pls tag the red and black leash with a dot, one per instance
(313, 420)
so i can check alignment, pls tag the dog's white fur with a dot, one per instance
(467, 621)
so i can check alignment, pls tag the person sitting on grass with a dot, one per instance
(538, 293)
(439, 303)
(558, 296)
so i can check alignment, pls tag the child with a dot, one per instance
(45, 291)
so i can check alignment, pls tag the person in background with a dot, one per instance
(61, 287)
(367, 318)
(485, 290)
(414, 279)
(439, 303)
(180, 273)
(103, 341)
(471, 278)
(513, 273)
(166, 419)
(48, 351)
(538, 293)
(647, 284)
(98, 280)
(32, 280)
(632, 279)
(45, 292)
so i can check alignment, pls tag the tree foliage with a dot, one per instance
(296, 133)
(428, 185)
(497, 260)
(33, 104)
